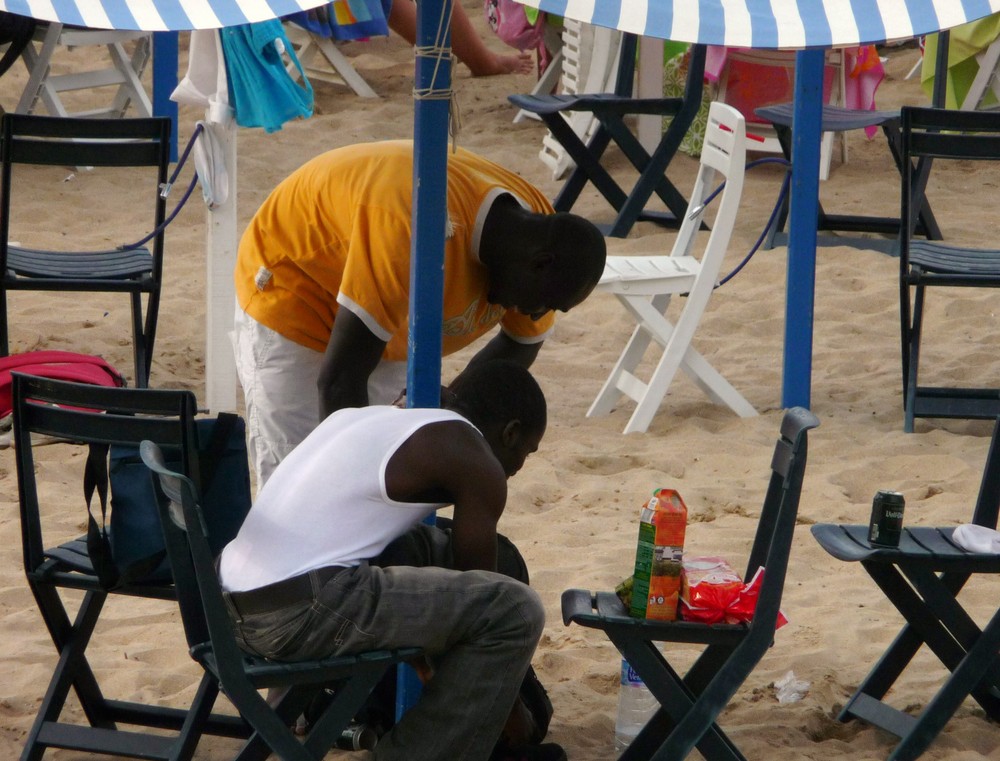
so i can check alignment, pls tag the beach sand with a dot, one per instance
(573, 508)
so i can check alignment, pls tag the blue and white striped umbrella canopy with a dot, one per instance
(808, 26)
(774, 23)
(157, 15)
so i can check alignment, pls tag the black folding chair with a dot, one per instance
(135, 270)
(689, 705)
(212, 642)
(933, 135)
(96, 417)
(611, 111)
(922, 578)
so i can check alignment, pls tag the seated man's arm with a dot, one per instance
(503, 346)
(351, 355)
(451, 462)
(479, 501)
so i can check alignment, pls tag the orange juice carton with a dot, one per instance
(657, 575)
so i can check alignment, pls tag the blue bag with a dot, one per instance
(135, 538)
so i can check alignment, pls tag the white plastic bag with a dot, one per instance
(789, 689)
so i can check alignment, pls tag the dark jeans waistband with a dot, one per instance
(281, 593)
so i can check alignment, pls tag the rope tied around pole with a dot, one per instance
(439, 53)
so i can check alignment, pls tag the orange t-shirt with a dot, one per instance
(336, 233)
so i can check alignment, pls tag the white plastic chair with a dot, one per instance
(644, 286)
(124, 72)
(589, 65)
(553, 72)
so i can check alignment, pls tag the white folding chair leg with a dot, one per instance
(131, 68)
(340, 63)
(37, 63)
(621, 379)
(678, 354)
(825, 155)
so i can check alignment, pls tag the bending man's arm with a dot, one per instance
(503, 346)
(350, 358)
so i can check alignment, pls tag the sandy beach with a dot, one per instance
(573, 509)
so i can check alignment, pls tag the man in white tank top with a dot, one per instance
(299, 585)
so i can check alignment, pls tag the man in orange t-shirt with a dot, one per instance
(323, 273)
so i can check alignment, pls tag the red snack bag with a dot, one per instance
(712, 593)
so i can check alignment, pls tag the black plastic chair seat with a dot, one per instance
(833, 119)
(265, 673)
(927, 546)
(126, 264)
(931, 256)
(72, 556)
(605, 611)
(69, 565)
(597, 103)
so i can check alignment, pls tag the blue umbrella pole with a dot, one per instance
(432, 95)
(165, 57)
(430, 183)
(804, 207)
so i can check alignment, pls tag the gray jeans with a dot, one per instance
(479, 629)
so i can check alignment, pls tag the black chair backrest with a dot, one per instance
(947, 133)
(776, 527)
(71, 141)
(196, 581)
(68, 141)
(93, 415)
(939, 133)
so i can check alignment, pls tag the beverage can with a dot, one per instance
(886, 523)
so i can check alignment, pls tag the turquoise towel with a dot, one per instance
(261, 91)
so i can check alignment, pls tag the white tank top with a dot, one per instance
(326, 503)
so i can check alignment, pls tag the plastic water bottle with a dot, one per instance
(636, 705)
